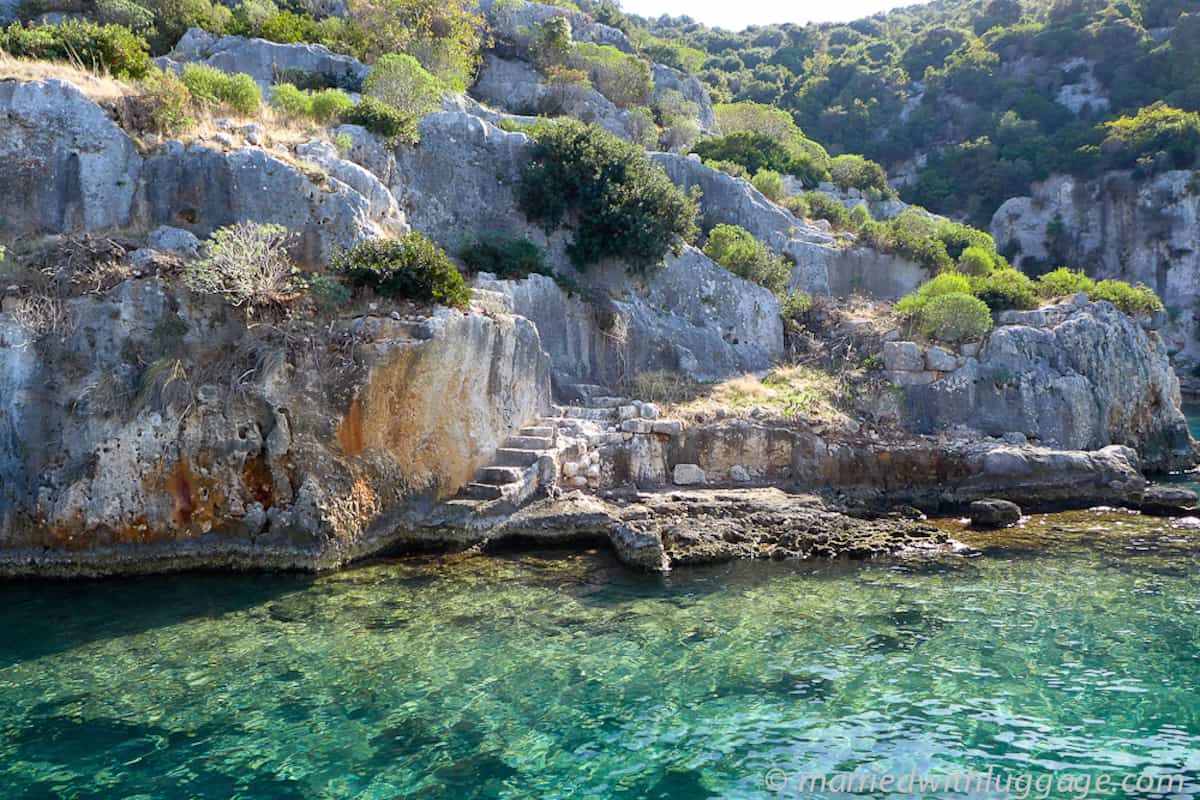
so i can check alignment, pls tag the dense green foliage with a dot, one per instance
(504, 255)
(412, 268)
(89, 45)
(623, 78)
(620, 205)
(737, 250)
(399, 80)
(976, 86)
(383, 120)
(324, 106)
(236, 90)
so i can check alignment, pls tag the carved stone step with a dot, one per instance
(541, 431)
(481, 491)
(604, 402)
(515, 457)
(529, 443)
(499, 476)
(601, 414)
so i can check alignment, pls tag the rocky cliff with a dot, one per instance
(1118, 226)
(153, 430)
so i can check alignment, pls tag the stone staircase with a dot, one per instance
(559, 451)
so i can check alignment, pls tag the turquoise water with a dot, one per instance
(1073, 645)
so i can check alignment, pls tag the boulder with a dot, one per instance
(688, 475)
(1171, 501)
(174, 240)
(201, 189)
(994, 513)
(903, 356)
(1077, 376)
(1120, 226)
(67, 166)
(265, 61)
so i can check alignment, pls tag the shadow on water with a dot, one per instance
(95, 610)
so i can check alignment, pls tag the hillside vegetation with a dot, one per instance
(974, 100)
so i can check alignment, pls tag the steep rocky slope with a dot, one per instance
(1119, 226)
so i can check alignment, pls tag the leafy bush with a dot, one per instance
(327, 291)
(624, 206)
(412, 268)
(324, 106)
(820, 206)
(383, 120)
(1005, 289)
(106, 47)
(770, 183)
(504, 255)
(975, 261)
(754, 151)
(856, 172)
(445, 36)
(955, 317)
(624, 79)
(738, 251)
(400, 81)
(552, 42)
(1065, 281)
(729, 168)
(1136, 300)
(1156, 129)
(172, 18)
(247, 263)
(287, 27)
(208, 84)
(794, 311)
(162, 105)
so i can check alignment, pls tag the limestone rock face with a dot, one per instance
(1117, 226)
(513, 22)
(230, 447)
(66, 165)
(264, 60)
(668, 78)
(693, 317)
(1077, 375)
(820, 267)
(201, 189)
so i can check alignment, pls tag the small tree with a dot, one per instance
(770, 183)
(399, 80)
(247, 263)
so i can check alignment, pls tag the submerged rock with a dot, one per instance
(1168, 501)
(994, 513)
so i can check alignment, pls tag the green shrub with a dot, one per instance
(955, 317)
(327, 291)
(287, 27)
(552, 42)
(412, 268)
(506, 256)
(208, 84)
(113, 48)
(172, 18)
(794, 310)
(1065, 281)
(624, 79)
(1136, 300)
(624, 206)
(738, 251)
(163, 103)
(769, 183)
(383, 120)
(754, 151)
(324, 106)
(856, 172)
(247, 263)
(1005, 289)
(729, 168)
(824, 207)
(910, 307)
(249, 16)
(400, 81)
(975, 261)
(798, 205)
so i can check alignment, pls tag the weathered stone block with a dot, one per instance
(688, 475)
(903, 356)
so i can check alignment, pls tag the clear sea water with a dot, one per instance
(1071, 646)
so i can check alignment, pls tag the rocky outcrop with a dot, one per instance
(265, 61)
(1076, 375)
(201, 188)
(693, 91)
(516, 87)
(69, 168)
(513, 23)
(158, 432)
(821, 265)
(1118, 226)
(692, 317)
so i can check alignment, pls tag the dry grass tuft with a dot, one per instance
(789, 393)
(96, 86)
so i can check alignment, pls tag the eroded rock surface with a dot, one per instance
(266, 61)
